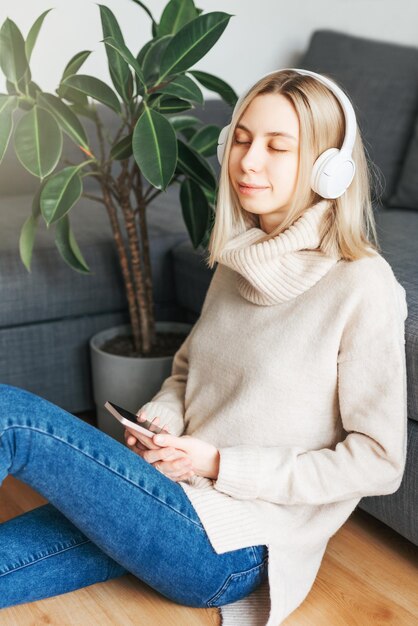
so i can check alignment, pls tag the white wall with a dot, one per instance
(263, 34)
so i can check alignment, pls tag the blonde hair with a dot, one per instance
(348, 229)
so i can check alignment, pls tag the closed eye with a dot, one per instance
(243, 143)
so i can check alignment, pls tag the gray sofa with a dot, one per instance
(47, 317)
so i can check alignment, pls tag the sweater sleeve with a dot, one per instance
(370, 459)
(168, 403)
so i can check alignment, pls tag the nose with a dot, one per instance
(253, 158)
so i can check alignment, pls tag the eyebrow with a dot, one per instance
(271, 134)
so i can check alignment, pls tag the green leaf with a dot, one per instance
(83, 110)
(38, 142)
(67, 120)
(122, 149)
(68, 247)
(95, 88)
(118, 68)
(173, 105)
(182, 87)
(26, 78)
(192, 42)
(140, 58)
(179, 122)
(217, 85)
(72, 96)
(13, 59)
(60, 193)
(126, 54)
(33, 34)
(206, 238)
(188, 133)
(75, 63)
(205, 141)
(36, 200)
(193, 165)
(154, 146)
(210, 195)
(7, 105)
(27, 240)
(11, 88)
(33, 89)
(176, 14)
(195, 209)
(152, 59)
(141, 54)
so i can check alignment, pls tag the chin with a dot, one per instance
(252, 207)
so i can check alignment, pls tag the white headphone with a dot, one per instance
(334, 169)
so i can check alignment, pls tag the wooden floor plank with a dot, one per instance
(366, 546)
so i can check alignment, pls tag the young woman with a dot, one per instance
(286, 404)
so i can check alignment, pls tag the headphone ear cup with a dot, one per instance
(332, 173)
(223, 136)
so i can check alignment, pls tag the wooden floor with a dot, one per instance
(368, 577)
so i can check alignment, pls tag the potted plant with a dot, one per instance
(155, 145)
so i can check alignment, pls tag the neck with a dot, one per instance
(270, 222)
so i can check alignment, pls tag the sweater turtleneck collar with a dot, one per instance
(283, 267)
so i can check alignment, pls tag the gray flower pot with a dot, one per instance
(130, 382)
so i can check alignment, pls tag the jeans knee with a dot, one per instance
(16, 403)
(9, 393)
(8, 397)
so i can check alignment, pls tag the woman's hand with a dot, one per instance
(175, 464)
(204, 456)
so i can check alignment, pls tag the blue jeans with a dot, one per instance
(109, 513)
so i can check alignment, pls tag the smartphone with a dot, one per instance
(130, 420)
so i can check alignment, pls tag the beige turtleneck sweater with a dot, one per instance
(295, 371)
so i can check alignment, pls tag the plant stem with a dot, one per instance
(149, 198)
(143, 229)
(90, 196)
(124, 263)
(146, 318)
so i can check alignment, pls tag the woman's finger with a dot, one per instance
(129, 438)
(163, 454)
(175, 468)
(183, 477)
(156, 455)
(155, 420)
(147, 441)
(143, 439)
(133, 443)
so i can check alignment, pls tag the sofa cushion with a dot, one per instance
(52, 358)
(192, 278)
(381, 80)
(397, 231)
(406, 192)
(53, 290)
(398, 510)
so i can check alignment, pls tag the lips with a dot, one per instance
(252, 186)
(246, 189)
